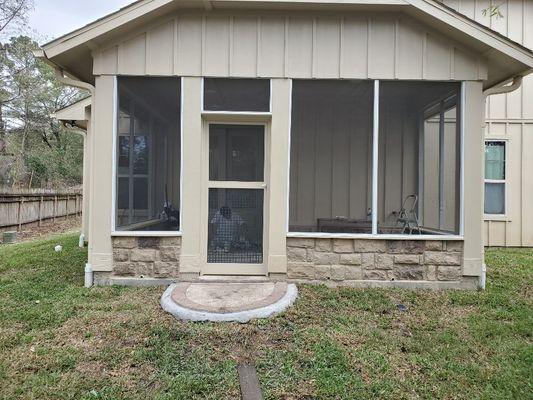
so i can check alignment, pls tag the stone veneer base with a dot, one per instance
(413, 264)
(146, 258)
(376, 261)
(467, 283)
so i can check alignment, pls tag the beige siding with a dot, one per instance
(510, 117)
(384, 46)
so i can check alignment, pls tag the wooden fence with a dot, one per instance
(19, 207)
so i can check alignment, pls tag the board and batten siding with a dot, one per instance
(348, 46)
(510, 117)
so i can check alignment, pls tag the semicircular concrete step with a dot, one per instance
(200, 301)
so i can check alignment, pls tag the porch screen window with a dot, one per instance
(331, 156)
(148, 154)
(419, 158)
(495, 177)
(250, 95)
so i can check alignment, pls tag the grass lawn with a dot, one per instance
(59, 340)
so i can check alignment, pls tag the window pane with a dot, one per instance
(141, 121)
(236, 152)
(235, 226)
(236, 94)
(124, 115)
(140, 154)
(495, 160)
(494, 198)
(123, 154)
(331, 156)
(140, 193)
(148, 154)
(123, 194)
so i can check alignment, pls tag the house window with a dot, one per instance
(495, 177)
(148, 152)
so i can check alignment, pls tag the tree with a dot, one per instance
(14, 13)
(37, 149)
(13, 17)
(493, 10)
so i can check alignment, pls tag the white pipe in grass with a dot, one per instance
(81, 240)
(88, 275)
(483, 277)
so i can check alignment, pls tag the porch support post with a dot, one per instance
(375, 159)
(279, 176)
(473, 178)
(191, 194)
(101, 172)
(85, 200)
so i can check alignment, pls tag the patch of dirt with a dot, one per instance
(48, 228)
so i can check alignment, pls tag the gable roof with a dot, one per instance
(78, 112)
(506, 58)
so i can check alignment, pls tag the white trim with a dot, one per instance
(375, 159)
(114, 181)
(503, 216)
(320, 235)
(146, 233)
(461, 110)
(181, 152)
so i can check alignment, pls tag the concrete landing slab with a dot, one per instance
(229, 301)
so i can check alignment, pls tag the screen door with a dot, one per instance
(236, 197)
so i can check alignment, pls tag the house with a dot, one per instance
(508, 135)
(287, 139)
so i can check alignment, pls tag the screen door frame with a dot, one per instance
(233, 268)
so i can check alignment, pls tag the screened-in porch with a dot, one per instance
(366, 157)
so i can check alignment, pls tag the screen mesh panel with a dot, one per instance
(235, 233)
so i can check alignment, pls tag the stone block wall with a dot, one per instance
(374, 259)
(146, 257)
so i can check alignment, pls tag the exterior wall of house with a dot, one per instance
(192, 46)
(295, 45)
(509, 117)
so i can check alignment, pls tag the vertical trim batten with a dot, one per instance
(375, 165)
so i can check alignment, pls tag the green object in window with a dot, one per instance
(495, 160)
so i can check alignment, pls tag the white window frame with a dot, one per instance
(375, 184)
(115, 175)
(496, 217)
